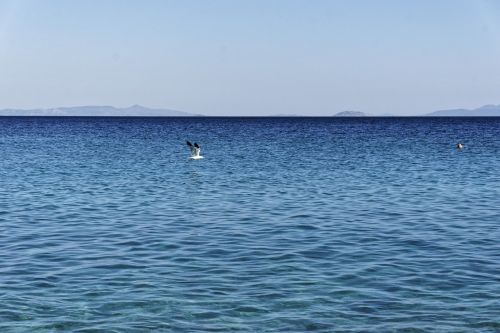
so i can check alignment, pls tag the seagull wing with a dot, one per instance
(192, 148)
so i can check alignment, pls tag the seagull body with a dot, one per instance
(459, 145)
(195, 151)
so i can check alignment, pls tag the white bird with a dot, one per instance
(195, 151)
(459, 145)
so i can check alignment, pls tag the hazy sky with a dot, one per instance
(251, 57)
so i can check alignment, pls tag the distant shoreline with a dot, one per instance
(142, 111)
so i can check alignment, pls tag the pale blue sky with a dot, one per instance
(251, 57)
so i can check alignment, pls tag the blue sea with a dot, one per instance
(286, 225)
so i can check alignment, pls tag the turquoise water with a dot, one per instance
(286, 225)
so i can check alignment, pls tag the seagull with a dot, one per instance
(459, 145)
(195, 151)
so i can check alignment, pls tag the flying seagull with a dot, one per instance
(195, 151)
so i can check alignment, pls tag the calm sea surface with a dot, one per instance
(286, 225)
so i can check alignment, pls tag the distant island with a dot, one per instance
(350, 114)
(484, 111)
(489, 110)
(285, 115)
(98, 111)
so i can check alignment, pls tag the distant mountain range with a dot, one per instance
(483, 111)
(97, 111)
(141, 111)
(351, 114)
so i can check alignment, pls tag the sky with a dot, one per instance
(251, 57)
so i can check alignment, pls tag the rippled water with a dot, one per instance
(286, 225)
